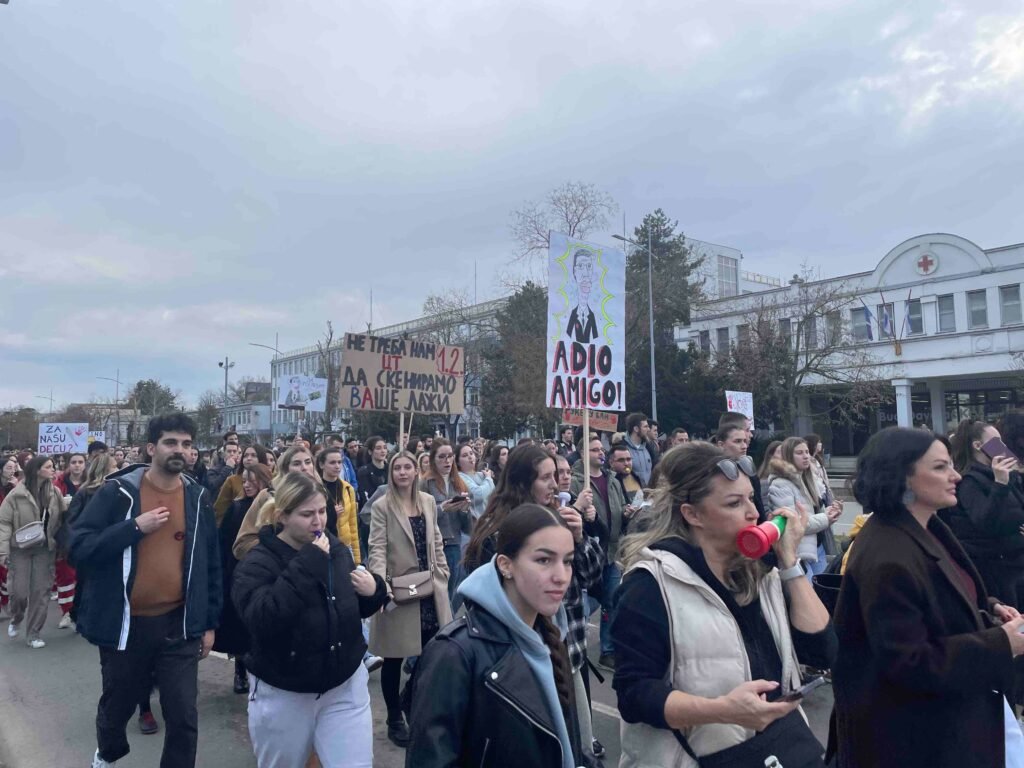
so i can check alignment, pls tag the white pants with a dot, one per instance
(284, 726)
(1014, 738)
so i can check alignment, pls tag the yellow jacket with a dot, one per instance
(858, 523)
(348, 529)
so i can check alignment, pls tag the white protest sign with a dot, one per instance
(63, 438)
(740, 402)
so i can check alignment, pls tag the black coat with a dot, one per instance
(302, 613)
(987, 521)
(919, 664)
(232, 636)
(476, 702)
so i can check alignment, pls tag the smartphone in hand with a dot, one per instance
(813, 684)
(996, 447)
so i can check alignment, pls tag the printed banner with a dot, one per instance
(302, 393)
(63, 438)
(586, 325)
(741, 402)
(600, 421)
(380, 374)
(97, 434)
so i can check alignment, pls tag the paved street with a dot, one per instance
(48, 708)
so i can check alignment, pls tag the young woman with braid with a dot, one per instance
(494, 687)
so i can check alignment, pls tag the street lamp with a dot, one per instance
(117, 401)
(650, 313)
(227, 365)
(48, 397)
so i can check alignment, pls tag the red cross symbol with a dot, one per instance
(925, 263)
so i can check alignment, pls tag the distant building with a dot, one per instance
(722, 271)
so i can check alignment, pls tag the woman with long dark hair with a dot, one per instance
(231, 490)
(924, 654)
(708, 642)
(232, 636)
(494, 687)
(31, 563)
(344, 506)
(497, 458)
(70, 480)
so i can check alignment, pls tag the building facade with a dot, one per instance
(940, 318)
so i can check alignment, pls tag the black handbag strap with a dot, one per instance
(685, 745)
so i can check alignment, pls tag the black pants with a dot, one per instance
(155, 649)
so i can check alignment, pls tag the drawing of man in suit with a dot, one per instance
(582, 323)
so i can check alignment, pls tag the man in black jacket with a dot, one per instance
(151, 597)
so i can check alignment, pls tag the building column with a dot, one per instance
(904, 416)
(937, 393)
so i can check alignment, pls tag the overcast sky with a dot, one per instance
(178, 179)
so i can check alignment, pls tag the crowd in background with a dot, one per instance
(466, 572)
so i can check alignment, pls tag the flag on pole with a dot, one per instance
(887, 329)
(870, 319)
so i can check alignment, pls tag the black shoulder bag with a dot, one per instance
(786, 743)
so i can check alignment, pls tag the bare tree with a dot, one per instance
(575, 208)
(796, 343)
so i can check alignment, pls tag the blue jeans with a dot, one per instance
(610, 579)
(813, 569)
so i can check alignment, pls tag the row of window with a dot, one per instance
(865, 323)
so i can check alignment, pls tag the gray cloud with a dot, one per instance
(177, 181)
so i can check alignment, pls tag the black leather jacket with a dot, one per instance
(476, 702)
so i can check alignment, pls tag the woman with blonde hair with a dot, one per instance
(405, 540)
(298, 458)
(707, 643)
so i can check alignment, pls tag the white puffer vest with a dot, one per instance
(709, 659)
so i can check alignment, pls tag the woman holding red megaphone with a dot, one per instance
(731, 632)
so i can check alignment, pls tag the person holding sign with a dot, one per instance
(29, 518)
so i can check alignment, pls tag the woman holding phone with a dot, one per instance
(449, 490)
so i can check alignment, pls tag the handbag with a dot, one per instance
(412, 587)
(31, 535)
(785, 743)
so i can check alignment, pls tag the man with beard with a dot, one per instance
(152, 599)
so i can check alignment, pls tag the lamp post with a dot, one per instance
(650, 313)
(50, 398)
(117, 402)
(273, 372)
(227, 365)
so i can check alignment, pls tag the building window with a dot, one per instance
(810, 332)
(742, 335)
(914, 321)
(886, 325)
(947, 314)
(728, 276)
(833, 328)
(860, 323)
(722, 340)
(1009, 304)
(786, 331)
(705, 342)
(977, 309)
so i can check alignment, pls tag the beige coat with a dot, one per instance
(20, 508)
(249, 531)
(395, 634)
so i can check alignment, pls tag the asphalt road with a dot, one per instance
(48, 709)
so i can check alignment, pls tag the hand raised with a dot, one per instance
(153, 520)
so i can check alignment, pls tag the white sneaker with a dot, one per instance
(99, 762)
(12, 630)
(372, 662)
(53, 596)
(36, 644)
(65, 621)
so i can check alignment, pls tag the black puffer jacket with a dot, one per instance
(302, 613)
(476, 702)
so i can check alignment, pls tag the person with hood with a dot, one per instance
(31, 565)
(610, 503)
(791, 483)
(494, 688)
(404, 540)
(151, 596)
(302, 598)
(708, 642)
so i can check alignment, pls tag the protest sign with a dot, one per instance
(602, 421)
(100, 435)
(302, 393)
(586, 345)
(399, 375)
(740, 402)
(63, 438)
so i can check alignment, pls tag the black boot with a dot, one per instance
(398, 732)
(241, 678)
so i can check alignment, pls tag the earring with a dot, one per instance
(506, 574)
(909, 497)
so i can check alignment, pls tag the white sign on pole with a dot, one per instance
(97, 434)
(586, 347)
(302, 393)
(740, 402)
(63, 438)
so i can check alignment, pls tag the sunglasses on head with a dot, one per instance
(731, 468)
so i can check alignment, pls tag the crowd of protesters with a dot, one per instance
(467, 571)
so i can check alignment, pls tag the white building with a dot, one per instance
(723, 271)
(955, 310)
(252, 419)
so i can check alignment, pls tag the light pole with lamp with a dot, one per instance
(117, 402)
(50, 398)
(273, 373)
(227, 365)
(650, 313)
